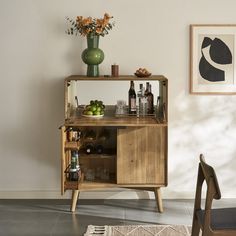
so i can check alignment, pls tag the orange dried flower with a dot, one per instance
(99, 30)
(87, 21)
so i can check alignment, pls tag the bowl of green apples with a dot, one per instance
(95, 109)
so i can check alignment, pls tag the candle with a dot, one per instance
(115, 70)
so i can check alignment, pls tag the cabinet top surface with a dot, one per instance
(121, 78)
(109, 121)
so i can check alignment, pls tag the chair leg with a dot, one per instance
(195, 227)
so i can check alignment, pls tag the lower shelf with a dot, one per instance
(90, 185)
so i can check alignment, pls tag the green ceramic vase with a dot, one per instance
(92, 56)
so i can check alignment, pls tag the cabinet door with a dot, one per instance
(142, 155)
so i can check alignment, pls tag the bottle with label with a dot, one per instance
(89, 148)
(142, 102)
(132, 99)
(139, 94)
(74, 159)
(150, 105)
(74, 166)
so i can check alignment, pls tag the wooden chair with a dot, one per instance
(219, 222)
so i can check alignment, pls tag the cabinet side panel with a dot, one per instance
(63, 158)
(141, 155)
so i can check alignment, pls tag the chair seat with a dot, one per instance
(223, 218)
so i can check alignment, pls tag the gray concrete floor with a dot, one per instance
(52, 217)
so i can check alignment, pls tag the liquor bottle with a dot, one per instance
(132, 99)
(158, 108)
(150, 100)
(142, 102)
(146, 90)
(89, 148)
(74, 166)
(139, 95)
(74, 159)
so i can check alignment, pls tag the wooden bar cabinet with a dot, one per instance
(136, 148)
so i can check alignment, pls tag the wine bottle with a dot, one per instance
(150, 100)
(89, 148)
(99, 149)
(146, 90)
(132, 99)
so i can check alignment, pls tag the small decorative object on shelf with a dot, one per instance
(142, 72)
(92, 28)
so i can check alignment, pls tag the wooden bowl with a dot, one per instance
(140, 75)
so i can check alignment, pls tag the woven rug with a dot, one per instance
(139, 230)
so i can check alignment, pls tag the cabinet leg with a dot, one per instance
(75, 195)
(157, 192)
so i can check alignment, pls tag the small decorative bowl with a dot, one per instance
(140, 75)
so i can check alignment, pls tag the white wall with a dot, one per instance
(36, 55)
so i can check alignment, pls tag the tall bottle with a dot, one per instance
(142, 103)
(139, 94)
(132, 99)
(158, 108)
(146, 90)
(150, 106)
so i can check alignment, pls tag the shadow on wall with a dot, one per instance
(202, 124)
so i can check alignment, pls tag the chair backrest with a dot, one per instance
(210, 178)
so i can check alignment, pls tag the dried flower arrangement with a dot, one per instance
(88, 25)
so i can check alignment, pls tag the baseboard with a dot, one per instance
(98, 194)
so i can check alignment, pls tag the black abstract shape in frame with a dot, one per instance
(209, 72)
(220, 52)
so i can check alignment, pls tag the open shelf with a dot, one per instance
(97, 156)
(114, 121)
(72, 145)
(120, 78)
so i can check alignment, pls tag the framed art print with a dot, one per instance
(212, 59)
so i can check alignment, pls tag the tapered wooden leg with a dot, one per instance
(157, 192)
(75, 195)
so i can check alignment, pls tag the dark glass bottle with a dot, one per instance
(74, 166)
(132, 99)
(150, 107)
(99, 149)
(89, 148)
(146, 90)
(158, 108)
